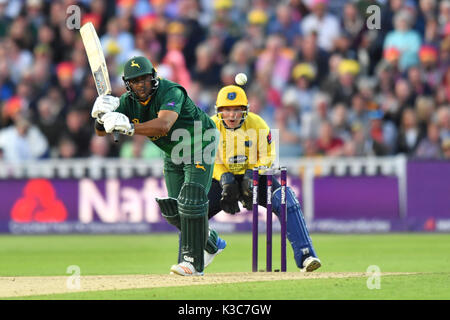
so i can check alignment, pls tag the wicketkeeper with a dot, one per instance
(162, 110)
(246, 143)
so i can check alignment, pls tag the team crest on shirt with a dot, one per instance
(248, 143)
(269, 138)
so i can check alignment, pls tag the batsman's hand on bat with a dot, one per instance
(116, 121)
(247, 189)
(230, 193)
(104, 104)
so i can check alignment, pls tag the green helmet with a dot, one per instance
(136, 67)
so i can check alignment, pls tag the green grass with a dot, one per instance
(428, 254)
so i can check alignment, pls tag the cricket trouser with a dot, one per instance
(189, 185)
(296, 229)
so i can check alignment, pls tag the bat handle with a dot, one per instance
(115, 133)
(116, 136)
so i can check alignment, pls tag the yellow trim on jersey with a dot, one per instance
(243, 148)
(144, 103)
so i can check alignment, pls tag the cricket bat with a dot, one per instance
(97, 62)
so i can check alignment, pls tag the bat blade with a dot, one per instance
(97, 61)
(96, 58)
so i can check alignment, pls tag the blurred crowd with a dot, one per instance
(334, 77)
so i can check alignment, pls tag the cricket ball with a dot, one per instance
(240, 79)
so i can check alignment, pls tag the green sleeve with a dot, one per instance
(173, 99)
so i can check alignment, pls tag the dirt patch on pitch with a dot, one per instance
(30, 286)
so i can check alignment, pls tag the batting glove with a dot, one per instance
(104, 104)
(116, 121)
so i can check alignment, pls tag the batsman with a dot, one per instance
(246, 143)
(162, 111)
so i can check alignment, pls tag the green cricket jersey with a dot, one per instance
(193, 128)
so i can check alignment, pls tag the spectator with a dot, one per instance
(78, 131)
(352, 25)
(277, 60)
(116, 42)
(255, 30)
(49, 122)
(430, 146)
(381, 136)
(357, 146)
(207, 70)
(66, 148)
(309, 52)
(339, 122)
(64, 72)
(310, 148)
(443, 16)
(418, 86)
(303, 76)
(431, 74)
(6, 85)
(426, 14)
(287, 121)
(345, 87)
(310, 122)
(446, 85)
(188, 14)
(404, 39)
(358, 112)
(259, 105)
(5, 21)
(227, 74)
(19, 60)
(443, 121)
(22, 141)
(176, 68)
(424, 109)
(446, 148)
(327, 143)
(401, 100)
(284, 24)
(409, 134)
(324, 24)
(242, 58)
(99, 147)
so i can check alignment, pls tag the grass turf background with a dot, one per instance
(154, 254)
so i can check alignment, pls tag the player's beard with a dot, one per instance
(142, 91)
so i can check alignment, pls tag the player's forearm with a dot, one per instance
(155, 127)
(99, 129)
(100, 133)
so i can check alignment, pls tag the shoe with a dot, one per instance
(209, 257)
(185, 269)
(310, 264)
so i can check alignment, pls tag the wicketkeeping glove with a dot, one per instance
(104, 104)
(230, 193)
(247, 189)
(116, 121)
